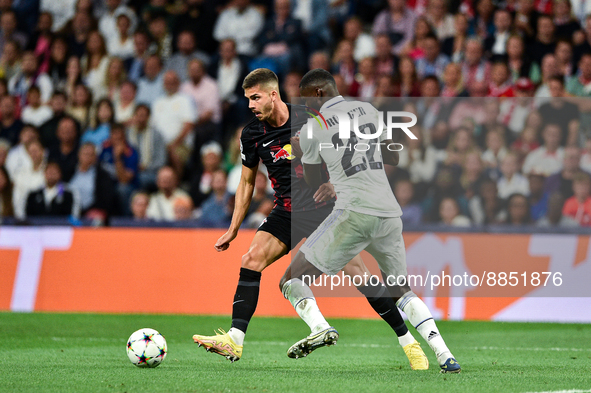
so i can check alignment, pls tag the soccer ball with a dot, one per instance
(146, 348)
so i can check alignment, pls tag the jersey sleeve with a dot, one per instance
(248, 152)
(310, 149)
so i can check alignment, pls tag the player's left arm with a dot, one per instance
(311, 161)
(389, 157)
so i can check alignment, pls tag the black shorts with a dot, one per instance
(279, 224)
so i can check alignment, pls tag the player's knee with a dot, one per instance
(253, 260)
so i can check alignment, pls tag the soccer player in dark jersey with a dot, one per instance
(268, 138)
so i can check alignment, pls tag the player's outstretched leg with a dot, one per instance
(380, 300)
(419, 315)
(265, 249)
(321, 333)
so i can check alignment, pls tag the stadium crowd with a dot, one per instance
(134, 108)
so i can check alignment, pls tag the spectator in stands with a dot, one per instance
(548, 158)
(475, 68)
(562, 181)
(321, 59)
(586, 156)
(18, 158)
(363, 43)
(514, 113)
(10, 124)
(139, 205)
(440, 19)
(554, 216)
(495, 45)
(100, 132)
(54, 199)
(94, 64)
(518, 210)
(65, 154)
(121, 43)
(397, 22)
(549, 70)
(501, 85)
(511, 181)
(496, 149)
(174, 117)
(199, 17)
(48, 130)
(314, 17)
(563, 53)
(114, 78)
(280, 40)
(4, 149)
(150, 87)
(454, 46)
(446, 185)
(149, 144)
(211, 160)
(61, 11)
(544, 42)
(203, 89)
(486, 207)
(343, 62)
(580, 84)
(6, 207)
(520, 65)
(559, 111)
(56, 64)
(80, 106)
(407, 81)
(108, 22)
(20, 83)
(434, 62)
(135, 64)
(216, 209)
(473, 173)
(230, 24)
(538, 199)
(449, 213)
(526, 19)
(482, 24)
(187, 51)
(161, 206)
(578, 206)
(73, 76)
(386, 63)
(412, 213)
(460, 145)
(290, 88)
(92, 185)
(34, 113)
(8, 31)
(566, 25)
(121, 161)
(158, 28)
(125, 102)
(453, 85)
(10, 62)
(365, 84)
(82, 25)
(262, 202)
(183, 208)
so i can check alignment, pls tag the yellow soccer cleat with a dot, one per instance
(416, 356)
(221, 343)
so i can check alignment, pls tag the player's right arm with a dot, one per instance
(250, 165)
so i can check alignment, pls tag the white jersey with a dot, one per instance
(355, 165)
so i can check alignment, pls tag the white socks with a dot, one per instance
(406, 339)
(237, 335)
(302, 299)
(419, 315)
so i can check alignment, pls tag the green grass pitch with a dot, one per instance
(86, 353)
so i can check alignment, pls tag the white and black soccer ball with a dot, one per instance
(146, 348)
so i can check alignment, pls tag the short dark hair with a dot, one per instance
(142, 106)
(317, 77)
(260, 77)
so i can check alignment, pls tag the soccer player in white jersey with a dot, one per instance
(366, 215)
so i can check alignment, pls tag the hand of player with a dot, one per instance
(296, 150)
(224, 242)
(324, 193)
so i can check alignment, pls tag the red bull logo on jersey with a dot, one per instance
(282, 153)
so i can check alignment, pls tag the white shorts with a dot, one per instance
(344, 234)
